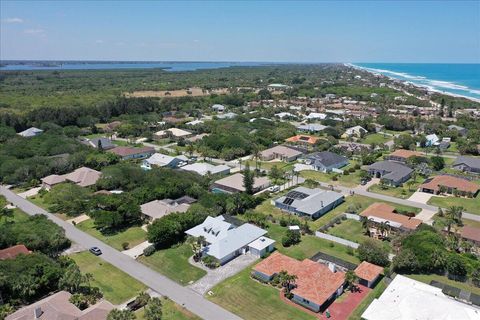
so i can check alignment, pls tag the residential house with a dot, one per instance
(283, 115)
(234, 183)
(379, 212)
(467, 164)
(461, 130)
(203, 168)
(311, 128)
(277, 87)
(83, 177)
(402, 155)
(13, 252)
(100, 143)
(450, 185)
(194, 123)
(227, 116)
(470, 234)
(368, 274)
(30, 132)
(173, 133)
(431, 140)
(225, 241)
(407, 299)
(392, 172)
(302, 140)
(306, 202)
(354, 132)
(282, 153)
(325, 161)
(59, 307)
(218, 108)
(129, 153)
(112, 126)
(163, 160)
(316, 286)
(316, 116)
(158, 208)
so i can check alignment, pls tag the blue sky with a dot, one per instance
(342, 31)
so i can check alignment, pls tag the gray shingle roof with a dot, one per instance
(396, 171)
(326, 158)
(469, 161)
(313, 199)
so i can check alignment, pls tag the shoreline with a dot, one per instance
(418, 85)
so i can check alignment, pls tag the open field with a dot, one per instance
(191, 92)
(377, 138)
(116, 285)
(350, 180)
(252, 300)
(133, 235)
(471, 205)
(170, 311)
(173, 263)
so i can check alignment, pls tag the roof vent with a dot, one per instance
(37, 313)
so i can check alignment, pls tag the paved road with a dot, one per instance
(404, 202)
(186, 297)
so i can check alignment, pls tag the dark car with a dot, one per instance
(96, 251)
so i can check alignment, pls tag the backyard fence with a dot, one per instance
(344, 242)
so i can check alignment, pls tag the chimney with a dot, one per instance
(37, 312)
(331, 267)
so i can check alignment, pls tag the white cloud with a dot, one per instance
(34, 31)
(12, 20)
(196, 40)
(99, 41)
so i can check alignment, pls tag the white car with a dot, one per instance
(274, 188)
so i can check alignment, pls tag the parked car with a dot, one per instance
(96, 251)
(274, 188)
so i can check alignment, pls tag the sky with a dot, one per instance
(281, 31)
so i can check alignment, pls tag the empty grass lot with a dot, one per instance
(377, 138)
(252, 300)
(116, 285)
(133, 235)
(173, 263)
(471, 205)
(350, 180)
(403, 192)
(170, 311)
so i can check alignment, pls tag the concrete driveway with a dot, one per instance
(79, 219)
(420, 197)
(137, 251)
(219, 274)
(29, 193)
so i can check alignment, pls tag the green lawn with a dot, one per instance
(133, 235)
(173, 263)
(403, 192)
(471, 205)
(268, 165)
(309, 246)
(116, 285)
(350, 230)
(377, 138)
(18, 216)
(252, 300)
(170, 311)
(350, 180)
(375, 293)
(426, 278)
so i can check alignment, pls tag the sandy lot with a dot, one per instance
(194, 92)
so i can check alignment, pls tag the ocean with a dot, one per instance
(94, 65)
(456, 79)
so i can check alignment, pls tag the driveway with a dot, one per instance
(368, 184)
(183, 296)
(421, 197)
(426, 216)
(137, 251)
(219, 274)
(79, 219)
(30, 193)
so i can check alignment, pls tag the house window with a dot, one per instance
(305, 301)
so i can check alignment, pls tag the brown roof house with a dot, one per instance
(280, 152)
(158, 208)
(13, 252)
(450, 185)
(58, 307)
(127, 153)
(83, 177)
(368, 273)
(402, 155)
(378, 213)
(317, 284)
(234, 183)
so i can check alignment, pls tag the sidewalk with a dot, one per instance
(137, 251)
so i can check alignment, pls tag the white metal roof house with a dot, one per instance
(163, 160)
(356, 131)
(31, 132)
(308, 202)
(225, 241)
(316, 116)
(432, 139)
(218, 107)
(311, 127)
(406, 299)
(202, 168)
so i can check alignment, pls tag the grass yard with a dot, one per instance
(350, 230)
(133, 235)
(310, 245)
(471, 205)
(267, 165)
(18, 216)
(252, 300)
(377, 138)
(375, 293)
(426, 278)
(170, 311)
(403, 192)
(116, 285)
(350, 180)
(173, 263)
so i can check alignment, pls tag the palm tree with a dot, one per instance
(190, 149)
(384, 228)
(351, 280)
(453, 216)
(256, 156)
(287, 280)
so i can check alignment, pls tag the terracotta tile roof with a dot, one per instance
(402, 153)
(12, 252)
(386, 212)
(303, 138)
(368, 271)
(128, 151)
(470, 233)
(315, 280)
(450, 182)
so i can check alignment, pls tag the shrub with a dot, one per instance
(125, 245)
(351, 170)
(346, 173)
(283, 222)
(335, 178)
(291, 237)
(373, 251)
(148, 251)
(210, 262)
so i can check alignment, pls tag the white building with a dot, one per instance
(163, 160)
(406, 299)
(202, 168)
(31, 132)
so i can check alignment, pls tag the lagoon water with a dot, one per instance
(87, 65)
(459, 79)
